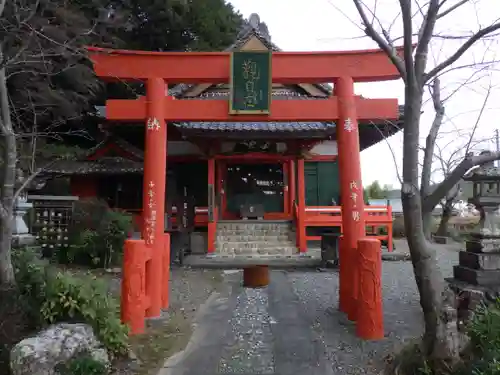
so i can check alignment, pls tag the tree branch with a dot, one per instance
(478, 119)
(424, 38)
(393, 154)
(430, 141)
(464, 48)
(454, 178)
(451, 9)
(383, 45)
(407, 41)
(2, 7)
(30, 179)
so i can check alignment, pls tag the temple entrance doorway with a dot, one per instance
(254, 184)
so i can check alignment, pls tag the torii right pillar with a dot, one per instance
(351, 190)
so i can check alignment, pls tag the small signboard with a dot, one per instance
(251, 82)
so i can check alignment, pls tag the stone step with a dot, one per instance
(482, 245)
(259, 232)
(258, 251)
(480, 261)
(254, 245)
(253, 238)
(488, 278)
(222, 261)
(250, 227)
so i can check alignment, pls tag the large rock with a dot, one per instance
(40, 354)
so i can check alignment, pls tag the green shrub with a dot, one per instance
(31, 279)
(484, 329)
(83, 364)
(53, 297)
(97, 235)
(88, 214)
(485, 366)
(484, 334)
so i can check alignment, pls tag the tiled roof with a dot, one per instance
(260, 126)
(112, 138)
(107, 165)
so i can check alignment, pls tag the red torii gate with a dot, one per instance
(145, 283)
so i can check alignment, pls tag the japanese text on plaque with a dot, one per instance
(251, 75)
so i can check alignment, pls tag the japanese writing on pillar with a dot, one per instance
(151, 218)
(153, 124)
(354, 196)
(251, 75)
(349, 125)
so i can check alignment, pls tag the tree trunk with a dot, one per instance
(7, 278)
(428, 223)
(9, 179)
(429, 280)
(445, 218)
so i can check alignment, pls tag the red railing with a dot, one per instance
(331, 216)
(200, 219)
(376, 217)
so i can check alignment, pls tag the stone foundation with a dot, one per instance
(476, 279)
(469, 298)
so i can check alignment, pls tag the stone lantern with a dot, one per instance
(486, 197)
(20, 231)
(476, 279)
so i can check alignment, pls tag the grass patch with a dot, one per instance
(162, 339)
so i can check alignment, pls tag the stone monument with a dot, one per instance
(476, 279)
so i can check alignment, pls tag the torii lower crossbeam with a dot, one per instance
(281, 110)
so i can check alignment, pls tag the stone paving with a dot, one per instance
(293, 326)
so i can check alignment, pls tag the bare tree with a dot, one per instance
(415, 73)
(45, 81)
(7, 197)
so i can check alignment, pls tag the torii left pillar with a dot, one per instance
(153, 214)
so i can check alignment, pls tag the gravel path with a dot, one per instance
(402, 314)
(249, 345)
(293, 326)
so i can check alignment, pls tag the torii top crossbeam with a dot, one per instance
(214, 67)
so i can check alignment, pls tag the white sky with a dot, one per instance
(329, 25)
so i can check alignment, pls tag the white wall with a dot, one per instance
(326, 148)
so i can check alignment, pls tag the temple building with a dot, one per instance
(276, 170)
